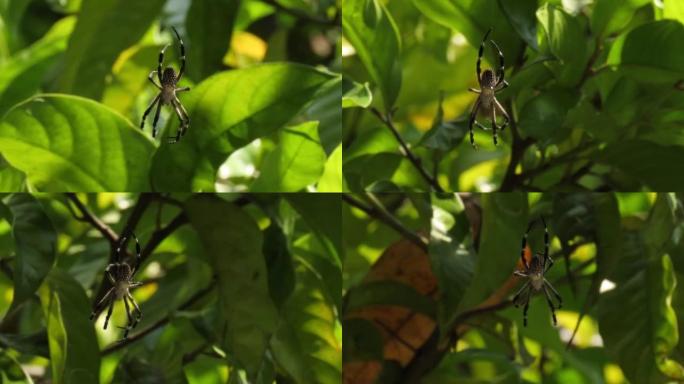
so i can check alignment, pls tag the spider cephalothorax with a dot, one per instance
(490, 83)
(120, 274)
(168, 81)
(534, 271)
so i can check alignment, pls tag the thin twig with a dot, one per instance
(387, 120)
(137, 336)
(389, 220)
(88, 217)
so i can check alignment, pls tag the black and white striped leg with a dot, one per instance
(516, 298)
(138, 256)
(548, 300)
(138, 312)
(500, 73)
(503, 112)
(555, 293)
(473, 114)
(156, 119)
(185, 116)
(479, 56)
(494, 133)
(147, 111)
(527, 306)
(182, 51)
(104, 301)
(109, 313)
(161, 63)
(129, 325)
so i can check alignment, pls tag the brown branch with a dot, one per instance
(88, 217)
(386, 218)
(137, 336)
(387, 120)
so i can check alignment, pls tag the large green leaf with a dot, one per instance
(503, 224)
(610, 16)
(104, 29)
(651, 52)
(305, 344)
(210, 27)
(233, 241)
(74, 353)
(451, 255)
(647, 162)
(543, 116)
(323, 214)
(22, 75)
(228, 111)
(297, 161)
(69, 143)
(35, 244)
(331, 180)
(369, 27)
(521, 16)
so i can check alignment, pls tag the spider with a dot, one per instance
(167, 93)
(534, 272)
(121, 274)
(490, 84)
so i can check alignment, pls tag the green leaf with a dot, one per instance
(450, 369)
(612, 16)
(35, 244)
(520, 14)
(672, 10)
(281, 274)
(12, 370)
(443, 136)
(23, 74)
(222, 121)
(331, 180)
(650, 52)
(11, 179)
(387, 292)
(69, 143)
(355, 94)
(369, 27)
(74, 353)
(297, 162)
(452, 259)
(233, 242)
(305, 344)
(566, 41)
(104, 29)
(323, 214)
(361, 340)
(503, 225)
(542, 117)
(641, 340)
(210, 27)
(647, 162)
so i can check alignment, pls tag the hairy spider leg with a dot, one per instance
(479, 56)
(546, 247)
(128, 326)
(156, 119)
(185, 115)
(516, 303)
(151, 78)
(161, 63)
(179, 131)
(527, 306)
(147, 111)
(138, 256)
(182, 58)
(548, 300)
(473, 114)
(503, 112)
(496, 142)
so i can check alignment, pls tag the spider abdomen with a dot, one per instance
(168, 77)
(488, 79)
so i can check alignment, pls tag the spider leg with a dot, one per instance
(101, 303)
(503, 85)
(179, 133)
(182, 58)
(161, 62)
(500, 72)
(474, 90)
(555, 293)
(182, 89)
(479, 56)
(503, 112)
(109, 312)
(138, 256)
(527, 306)
(109, 273)
(185, 115)
(473, 114)
(494, 125)
(151, 78)
(138, 315)
(517, 294)
(521, 274)
(524, 245)
(129, 325)
(156, 118)
(481, 126)
(548, 300)
(147, 111)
